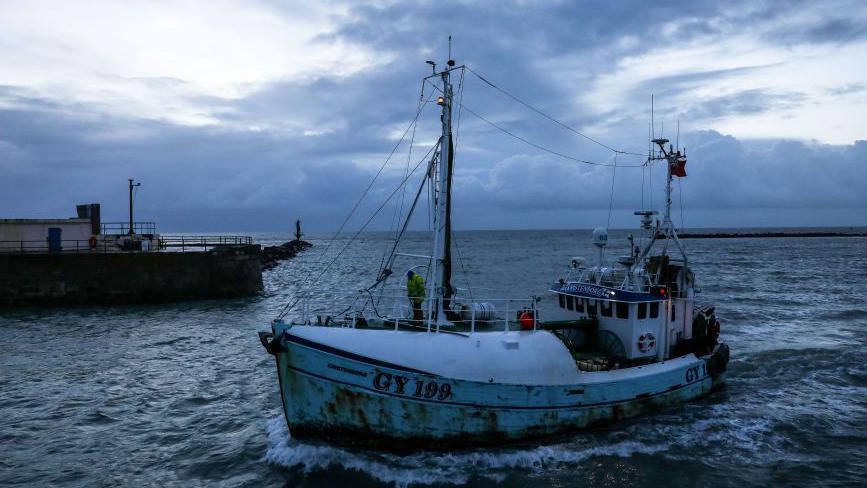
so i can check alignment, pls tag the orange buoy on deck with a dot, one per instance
(527, 321)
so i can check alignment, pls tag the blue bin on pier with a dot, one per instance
(54, 239)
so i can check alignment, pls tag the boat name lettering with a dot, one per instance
(695, 373)
(397, 384)
(585, 289)
(347, 370)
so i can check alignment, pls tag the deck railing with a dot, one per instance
(348, 308)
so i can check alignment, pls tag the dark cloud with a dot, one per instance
(838, 30)
(723, 173)
(206, 179)
(745, 102)
(669, 86)
(307, 149)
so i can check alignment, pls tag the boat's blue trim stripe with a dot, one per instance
(349, 355)
(498, 407)
(596, 292)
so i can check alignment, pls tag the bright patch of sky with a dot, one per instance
(180, 61)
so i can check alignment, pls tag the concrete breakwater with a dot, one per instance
(129, 277)
(272, 255)
(738, 235)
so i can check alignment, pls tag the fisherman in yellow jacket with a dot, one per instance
(415, 291)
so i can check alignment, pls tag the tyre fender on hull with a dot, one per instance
(718, 361)
(271, 344)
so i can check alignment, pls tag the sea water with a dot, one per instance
(184, 394)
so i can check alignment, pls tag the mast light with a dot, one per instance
(441, 100)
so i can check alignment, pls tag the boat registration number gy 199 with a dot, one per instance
(412, 387)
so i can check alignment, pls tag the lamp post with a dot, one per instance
(131, 186)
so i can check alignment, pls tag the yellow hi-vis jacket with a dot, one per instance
(415, 287)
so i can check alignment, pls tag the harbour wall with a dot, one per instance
(129, 277)
(738, 235)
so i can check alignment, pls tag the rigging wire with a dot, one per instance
(407, 173)
(389, 262)
(650, 182)
(460, 107)
(543, 148)
(398, 208)
(455, 148)
(643, 174)
(399, 212)
(375, 177)
(552, 119)
(289, 306)
(611, 197)
(306, 283)
(463, 268)
(680, 201)
(539, 146)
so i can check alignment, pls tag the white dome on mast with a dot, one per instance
(600, 237)
(600, 240)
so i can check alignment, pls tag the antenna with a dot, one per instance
(677, 139)
(450, 47)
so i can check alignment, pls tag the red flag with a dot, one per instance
(678, 167)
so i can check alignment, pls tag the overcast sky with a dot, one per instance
(244, 115)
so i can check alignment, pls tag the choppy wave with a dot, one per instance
(426, 468)
(720, 436)
(182, 394)
(846, 314)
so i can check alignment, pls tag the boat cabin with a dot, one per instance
(641, 310)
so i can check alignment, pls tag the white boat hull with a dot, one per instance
(335, 393)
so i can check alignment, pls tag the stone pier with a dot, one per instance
(32, 279)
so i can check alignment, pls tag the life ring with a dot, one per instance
(647, 342)
(527, 321)
(92, 242)
(713, 332)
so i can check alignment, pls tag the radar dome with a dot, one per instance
(600, 237)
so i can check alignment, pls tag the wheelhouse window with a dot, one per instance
(579, 304)
(606, 308)
(622, 309)
(654, 310)
(672, 314)
(562, 299)
(642, 310)
(570, 302)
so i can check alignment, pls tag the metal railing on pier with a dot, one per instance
(62, 246)
(184, 242)
(121, 243)
(122, 228)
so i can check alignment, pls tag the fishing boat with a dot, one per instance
(606, 342)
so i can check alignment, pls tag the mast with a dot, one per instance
(441, 291)
(670, 159)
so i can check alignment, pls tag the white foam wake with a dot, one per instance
(427, 468)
